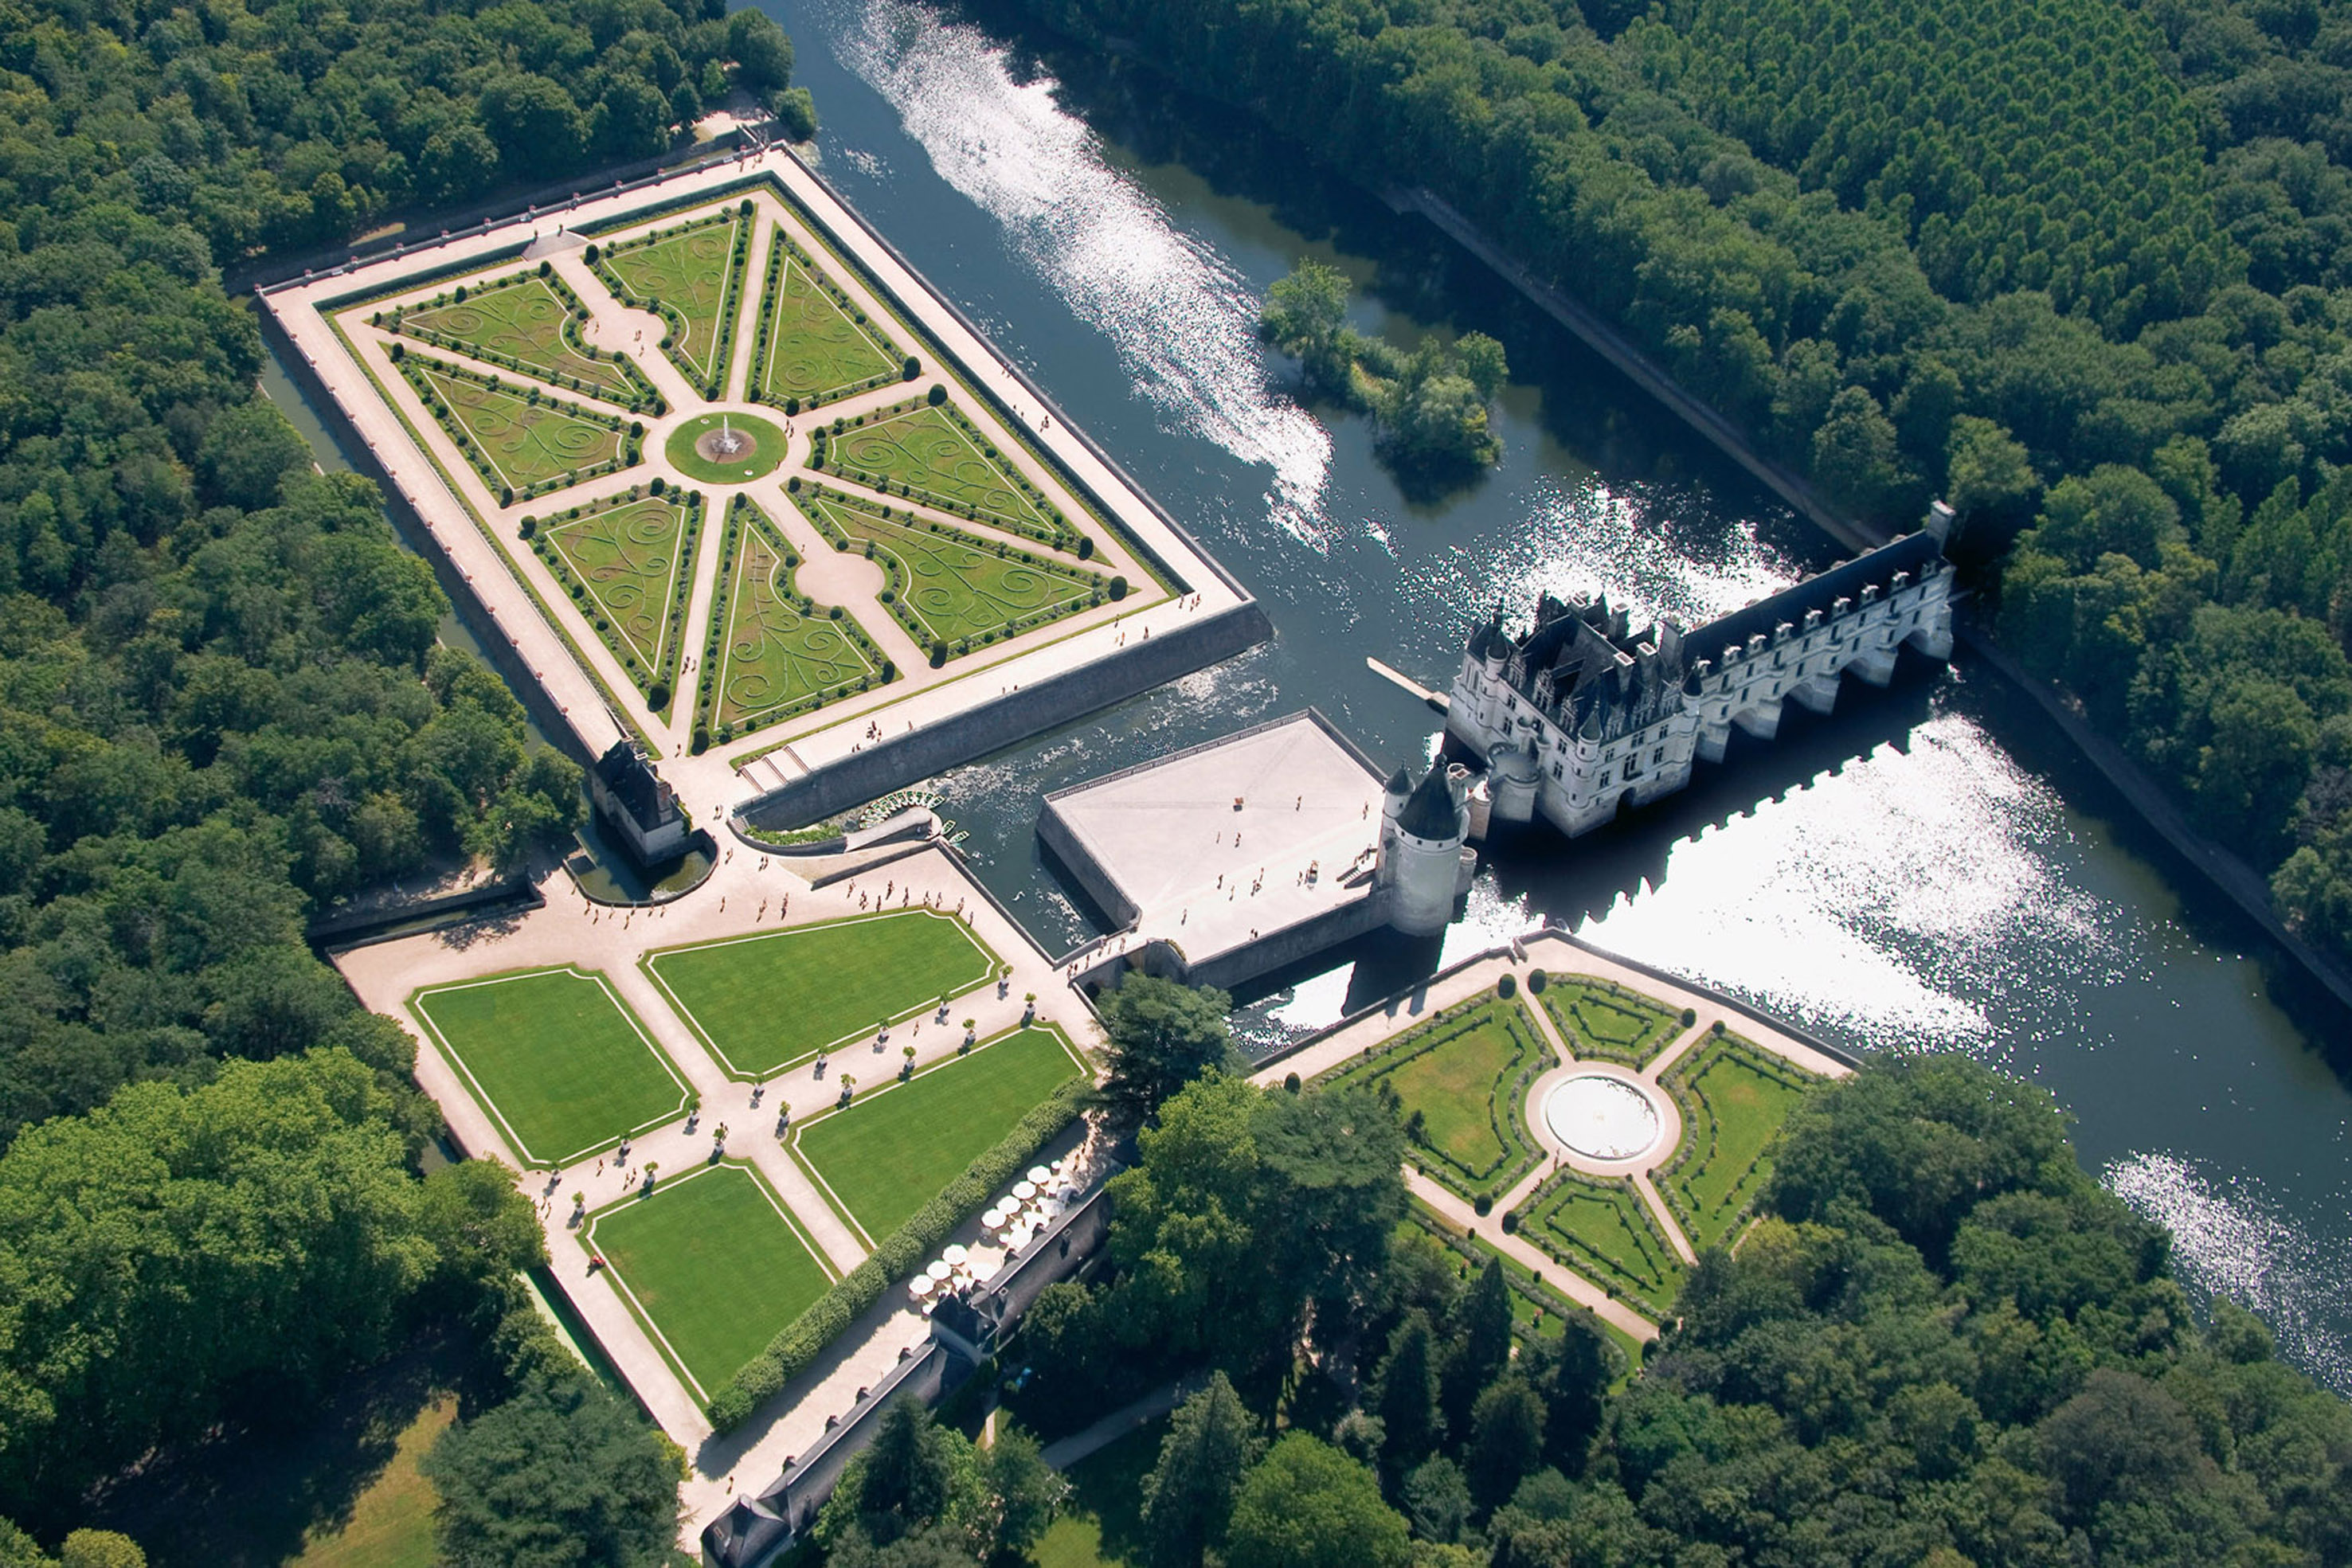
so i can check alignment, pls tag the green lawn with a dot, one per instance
(1101, 1526)
(764, 1003)
(766, 450)
(512, 441)
(556, 1060)
(948, 586)
(391, 1524)
(1603, 1231)
(781, 654)
(630, 568)
(893, 1149)
(690, 274)
(529, 322)
(816, 349)
(933, 454)
(1461, 1081)
(1605, 1021)
(713, 1266)
(1734, 1096)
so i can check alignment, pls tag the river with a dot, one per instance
(1931, 867)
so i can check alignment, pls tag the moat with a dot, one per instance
(1931, 865)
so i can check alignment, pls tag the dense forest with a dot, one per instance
(2078, 268)
(1943, 1343)
(222, 707)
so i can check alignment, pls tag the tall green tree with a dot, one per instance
(1307, 1505)
(561, 1475)
(1188, 1498)
(1160, 1036)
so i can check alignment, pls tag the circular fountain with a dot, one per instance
(1602, 1117)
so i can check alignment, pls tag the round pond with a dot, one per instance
(1601, 1118)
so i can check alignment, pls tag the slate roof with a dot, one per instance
(1911, 553)
(1431, 813)
(630, 779)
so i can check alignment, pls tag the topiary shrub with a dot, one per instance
(1690, 1016)
(1484, 1204)
(1086, 548)
(701, 742)
(658, 485)
(936, 395)
(1537, 981)
(1507, 987)
(657, 696)
(530, 524)
(1117, 589)
(938, 653)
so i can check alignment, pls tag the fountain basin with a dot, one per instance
(1602, 1117)
(725, 449)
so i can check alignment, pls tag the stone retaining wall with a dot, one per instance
(868, 775)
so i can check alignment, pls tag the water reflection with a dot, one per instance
(1184, 319)
(1926, 866)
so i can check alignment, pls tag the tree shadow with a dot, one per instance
(253, 1491)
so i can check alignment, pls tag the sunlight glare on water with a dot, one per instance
(1184, 318)
(2233, 1241)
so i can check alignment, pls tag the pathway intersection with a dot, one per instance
(341, 325)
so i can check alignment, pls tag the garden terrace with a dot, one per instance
(529, 322)
(1459, 1082)
(711, 1264)
(626, 561)
(893, 1148)
(555, 1059)
(1605, 1021)
(767, 1001)
(1603, 1231)
(954, 590)
(691, 276)
(815, 344)
(1733, 1095)
(932, 451)
(520, 443)
(776, 654)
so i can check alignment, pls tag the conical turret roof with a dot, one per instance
(1400, 781)
(1431, 813)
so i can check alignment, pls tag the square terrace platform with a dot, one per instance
(1210, 848)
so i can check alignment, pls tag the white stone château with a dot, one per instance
(1579, 718)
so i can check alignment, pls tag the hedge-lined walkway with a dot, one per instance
(1716, 1175)
(746, 895)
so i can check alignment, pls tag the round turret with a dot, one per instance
(1422, 853)
(1513, 777)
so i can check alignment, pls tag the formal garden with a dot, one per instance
(1733, 1095)
(522, 441)
(769, 1000)
(712, 1265)
(555, 1059)
(1602, 1230)
(528, 321)
(1459, 1082)
(690, 275)
(627, 562)
(1605, 1021)
(774, 653)
(815, 344)
(927, 450)
(953, 590)
(897, 1142)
